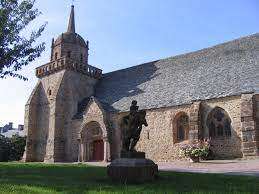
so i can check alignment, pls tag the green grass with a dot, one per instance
(76, 179)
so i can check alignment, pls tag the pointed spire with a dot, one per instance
(71, 24)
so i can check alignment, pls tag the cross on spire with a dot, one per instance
(71, 24)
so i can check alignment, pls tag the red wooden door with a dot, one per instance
(98, 150)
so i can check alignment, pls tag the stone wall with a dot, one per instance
(116, 134)
(77, 51)
(224, 147)
(157, 140)
(248, 123)
(257, 122)
(75, 127)
(30, 124)
(51, 84)
(73, 89)
(38, 123)
(48, 114)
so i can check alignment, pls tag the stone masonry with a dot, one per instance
(248, 123)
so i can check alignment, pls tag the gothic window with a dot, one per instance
(182, 127)
(218, 123)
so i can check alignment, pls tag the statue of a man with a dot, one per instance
(134, 108)
(133, 126)
(133, 112)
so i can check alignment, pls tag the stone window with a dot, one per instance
(49, 92)
(218, 123)
(181, 127)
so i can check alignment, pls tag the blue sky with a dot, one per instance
(124, 33)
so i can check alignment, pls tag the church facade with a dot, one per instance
(75, 111)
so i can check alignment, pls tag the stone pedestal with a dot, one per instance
(133, 155)
(132, 167)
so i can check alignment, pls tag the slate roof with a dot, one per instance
(81, 106)
(227, 69)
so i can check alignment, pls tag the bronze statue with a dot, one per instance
(132, 166)
(132, 126)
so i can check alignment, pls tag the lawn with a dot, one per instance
(76, 179)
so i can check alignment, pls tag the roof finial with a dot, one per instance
(71, 24)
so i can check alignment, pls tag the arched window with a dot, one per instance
(181, 129)
(218, 123)
(49, 92)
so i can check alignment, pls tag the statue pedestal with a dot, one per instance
(132, 167)
(133, 155)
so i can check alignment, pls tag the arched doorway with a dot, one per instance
(92, 146)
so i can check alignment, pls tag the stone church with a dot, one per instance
(75, 110)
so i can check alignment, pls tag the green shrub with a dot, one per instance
(11, 149)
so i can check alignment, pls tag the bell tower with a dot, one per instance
(69, 51)
(70, 44)
(63, 82)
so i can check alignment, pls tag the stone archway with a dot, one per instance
(93, 145)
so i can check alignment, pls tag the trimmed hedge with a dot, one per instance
(11, 149)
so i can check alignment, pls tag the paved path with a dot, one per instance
(234, 167)
(238, 167)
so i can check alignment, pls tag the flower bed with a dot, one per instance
(195, 151)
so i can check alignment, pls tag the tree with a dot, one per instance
(18, 147)
(16, 50)
(12, 149)
(5, 145)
